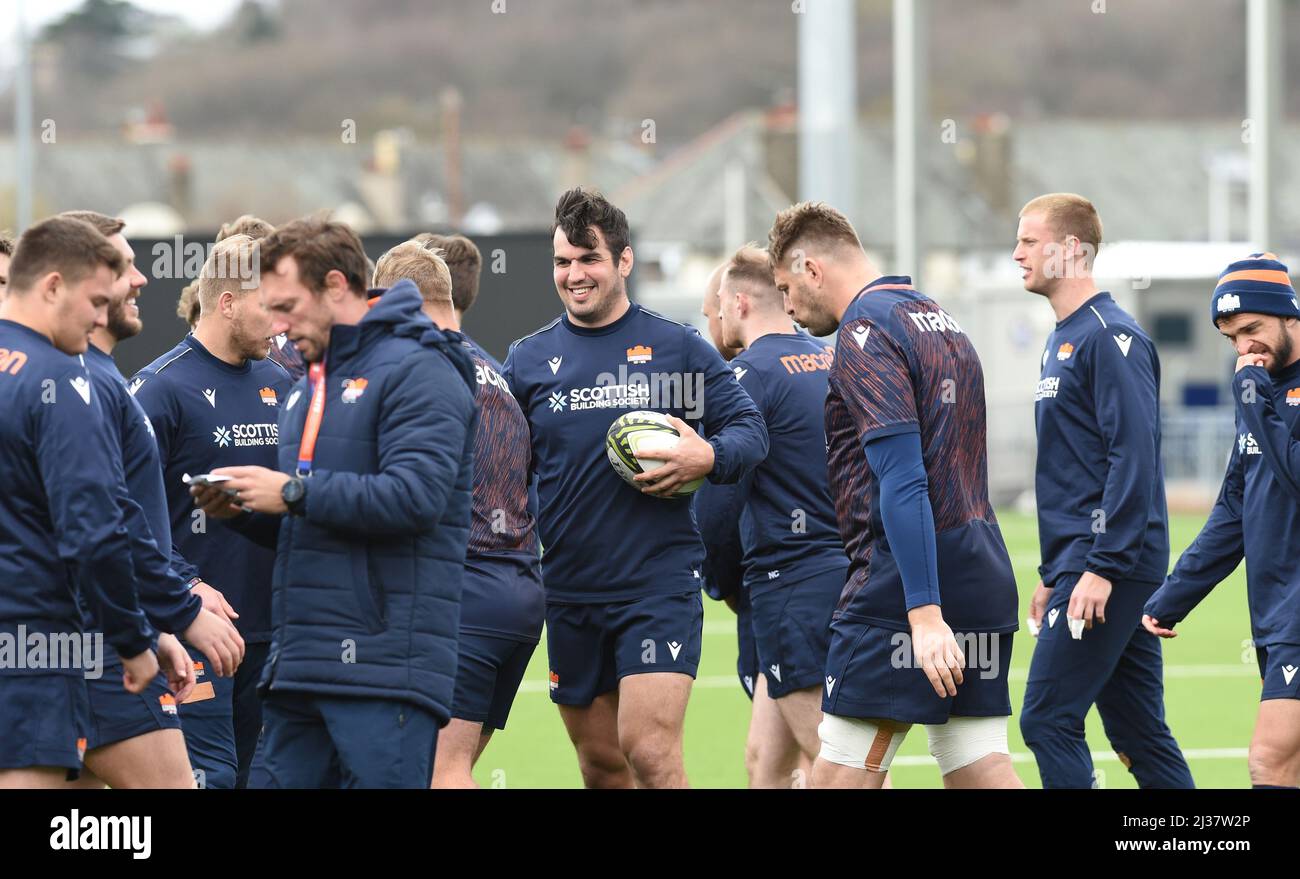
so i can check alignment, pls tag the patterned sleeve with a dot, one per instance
(875, 380)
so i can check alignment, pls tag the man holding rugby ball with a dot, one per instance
(622, 566)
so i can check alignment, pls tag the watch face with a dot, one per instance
(292, 490)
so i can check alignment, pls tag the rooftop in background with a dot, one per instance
(1151, 181)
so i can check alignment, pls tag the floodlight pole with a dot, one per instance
(1264, 50)
(23, 124)
(828, 104)
(910, 93)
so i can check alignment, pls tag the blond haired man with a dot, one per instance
(1102, 523)
(502, 606)
(214, 401)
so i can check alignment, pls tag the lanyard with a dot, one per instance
(307, 447)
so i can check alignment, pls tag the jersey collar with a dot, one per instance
(214, 360)
(1086, 308)
(890, 282)
(632, 311)
(1287, 375)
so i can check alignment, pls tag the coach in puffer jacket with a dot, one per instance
(370, 556)
(378, 555)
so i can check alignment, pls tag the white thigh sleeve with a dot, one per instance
(861, 744)
(963, 740)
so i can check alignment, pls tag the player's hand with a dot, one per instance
(213, 636)
(214, 601)
(1249, 360)
(1152, 625)
(138, 671)
(690, 459)
(214, 502)
(1088, 601)
(257, 489)
(176, 663)
(1038, 606)
(935, 648)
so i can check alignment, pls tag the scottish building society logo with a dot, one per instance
(635, 390)
(238, 435)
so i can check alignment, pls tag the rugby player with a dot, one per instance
(62, 528)
(622, 566)
(136, 740)
(1257, 514)
(1102, 524)
(795, 566)
(502, 606)
(905, 430)
(772, 756)
(213, 401)
(282, 350)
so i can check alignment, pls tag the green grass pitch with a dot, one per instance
(1211, 698)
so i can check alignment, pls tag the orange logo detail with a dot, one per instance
(268, 396)
(555, 681)
(639, 354)
(168, 703)
(198, 669)
(11, 361)
(81, 749)
(1293, 397)
(353, 388)
(1064, 352)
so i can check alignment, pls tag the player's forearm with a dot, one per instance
(162, 594)
(907, 514)
(107, 580)
(1213, 555)
(1173, 601)
(83, 486)
(1271, 433)
(738, 447)
(182, 566)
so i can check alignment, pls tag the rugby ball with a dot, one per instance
(643, 431)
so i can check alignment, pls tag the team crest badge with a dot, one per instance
(639, 354)
(353, 388)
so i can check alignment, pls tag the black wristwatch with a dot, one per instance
(294, 493)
